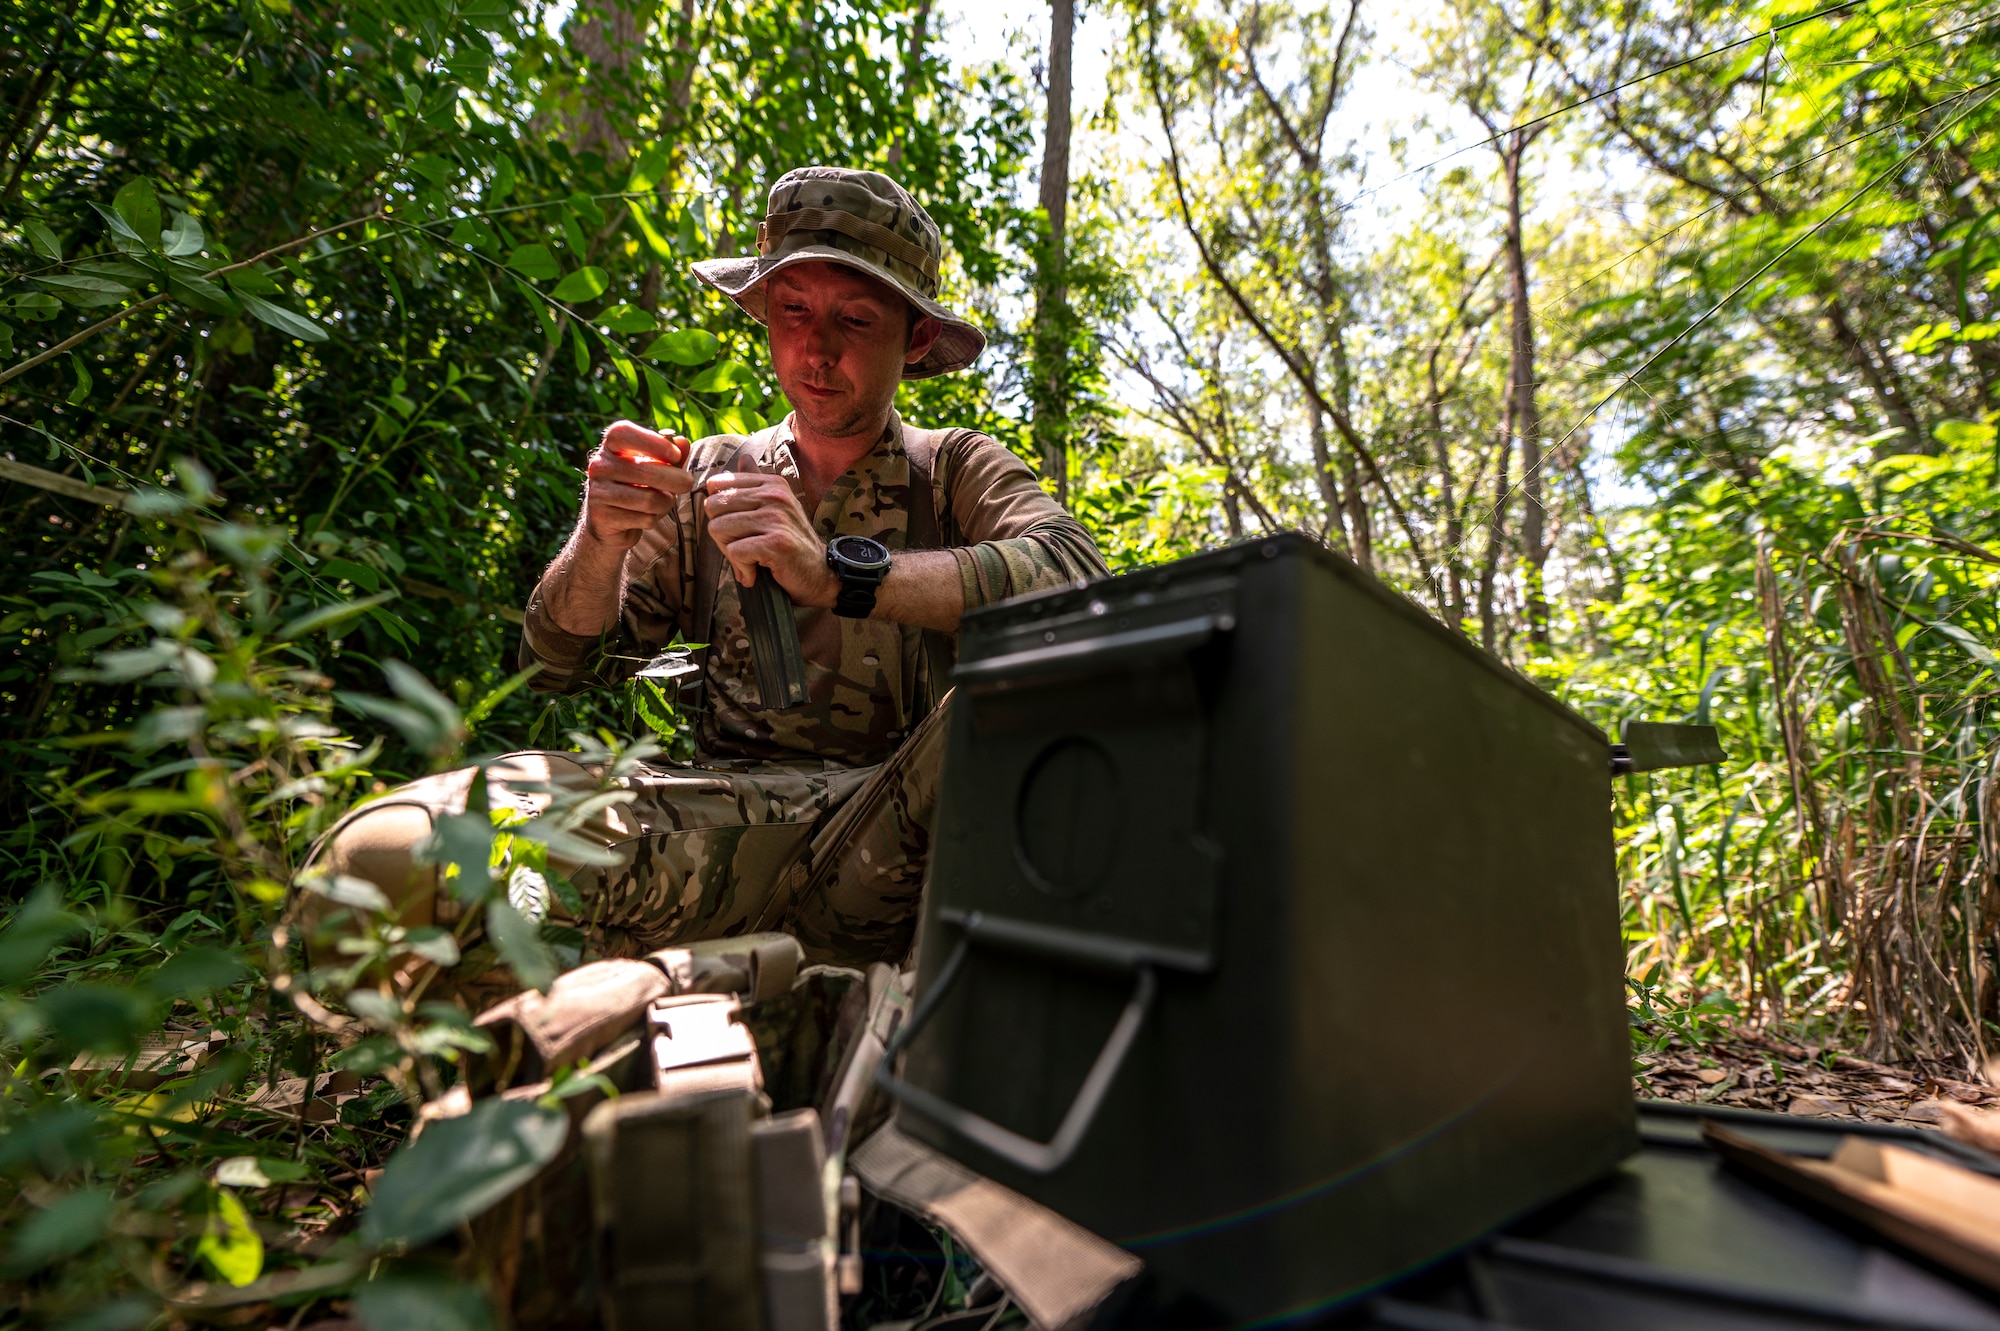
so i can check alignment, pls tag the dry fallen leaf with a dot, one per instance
(1711, 1075)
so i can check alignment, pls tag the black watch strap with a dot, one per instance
(856, 599)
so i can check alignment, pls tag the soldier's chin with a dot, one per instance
(836, 418)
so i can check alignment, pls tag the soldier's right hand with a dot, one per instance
(631, 481)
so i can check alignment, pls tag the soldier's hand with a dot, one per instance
(630, 483)
(757, 519)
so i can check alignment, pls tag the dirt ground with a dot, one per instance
(1756, 1071)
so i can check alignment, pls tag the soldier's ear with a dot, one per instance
(924, 332)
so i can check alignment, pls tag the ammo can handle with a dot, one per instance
(1024, 1152)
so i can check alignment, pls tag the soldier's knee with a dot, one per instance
(379, 845)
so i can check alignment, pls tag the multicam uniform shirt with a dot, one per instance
(1009, 537)
(814, 818)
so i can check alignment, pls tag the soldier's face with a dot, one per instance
(839, 341)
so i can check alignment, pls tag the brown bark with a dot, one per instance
(608, 36)
(1051, 425)
(1524, 411)
(913, 73)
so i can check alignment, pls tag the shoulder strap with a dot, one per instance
(929, 452)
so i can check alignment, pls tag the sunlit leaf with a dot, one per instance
(282, 319)
(43, 240)
(689, 346)
(519, 942)
(139, 205)
(458, 1168)
(229, 1242)
(583, 284)
(535, 262)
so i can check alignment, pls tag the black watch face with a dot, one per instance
(859, 553)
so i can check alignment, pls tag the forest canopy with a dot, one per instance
(1671, 382)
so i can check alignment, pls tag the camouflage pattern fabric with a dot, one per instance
(814, 819)
(833, 856)
(1009, 537)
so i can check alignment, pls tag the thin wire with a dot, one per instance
(1772, 262)
(1632, 82)
(1552, 449)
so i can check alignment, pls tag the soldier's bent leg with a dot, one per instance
(865, 869)
(378, 842)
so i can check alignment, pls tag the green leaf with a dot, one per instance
(581, 350)
(230, 1244)
(123, 236)
(250, 1171)
(519, 942)
(63, 1229)
(464, 841)
(402, 1302)
(36, 928)
(102, 1018)
(43, 240)
(586, 208)
(720, 378)
(583, 284)
(1974, 648)
(458, 1168)
(140, 207)
(86, 292)
(627, 319)
(502, 184)
(650, 169)
(192, 971)
(1961, 434)
(691, 346)
(183, 238)
(83, 380)
(328, 615)
(662, 249)
(534, 261)
(431, 167)
(283, 319)
(253, 280)
(202, 294)
(434, 945)
(358, 893)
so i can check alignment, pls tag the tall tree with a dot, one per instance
(1052, 315)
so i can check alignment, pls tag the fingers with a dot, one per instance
(634, 442)
(743, 492)
(654, 475)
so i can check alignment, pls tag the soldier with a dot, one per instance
(813, 818)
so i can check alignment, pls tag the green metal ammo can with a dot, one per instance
(1272, 931)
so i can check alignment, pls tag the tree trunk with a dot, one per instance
(1051, 351)
(913, 71)
(608, 36)
(1450, 590)
(1883, 381)
(1330, 496)
(1525, 412)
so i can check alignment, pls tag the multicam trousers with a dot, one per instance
(833, 855)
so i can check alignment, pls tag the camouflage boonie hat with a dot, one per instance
(861, 219)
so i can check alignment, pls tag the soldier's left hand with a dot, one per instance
(756, 519)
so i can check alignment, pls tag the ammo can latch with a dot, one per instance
(1649, 746)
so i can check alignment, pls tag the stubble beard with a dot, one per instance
(840, 418)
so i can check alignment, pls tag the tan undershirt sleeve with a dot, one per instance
(1019, 540)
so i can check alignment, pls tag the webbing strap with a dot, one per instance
(775, 227)
(929, 452)
(1059, 1272)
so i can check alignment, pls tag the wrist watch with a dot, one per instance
(860, 564)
